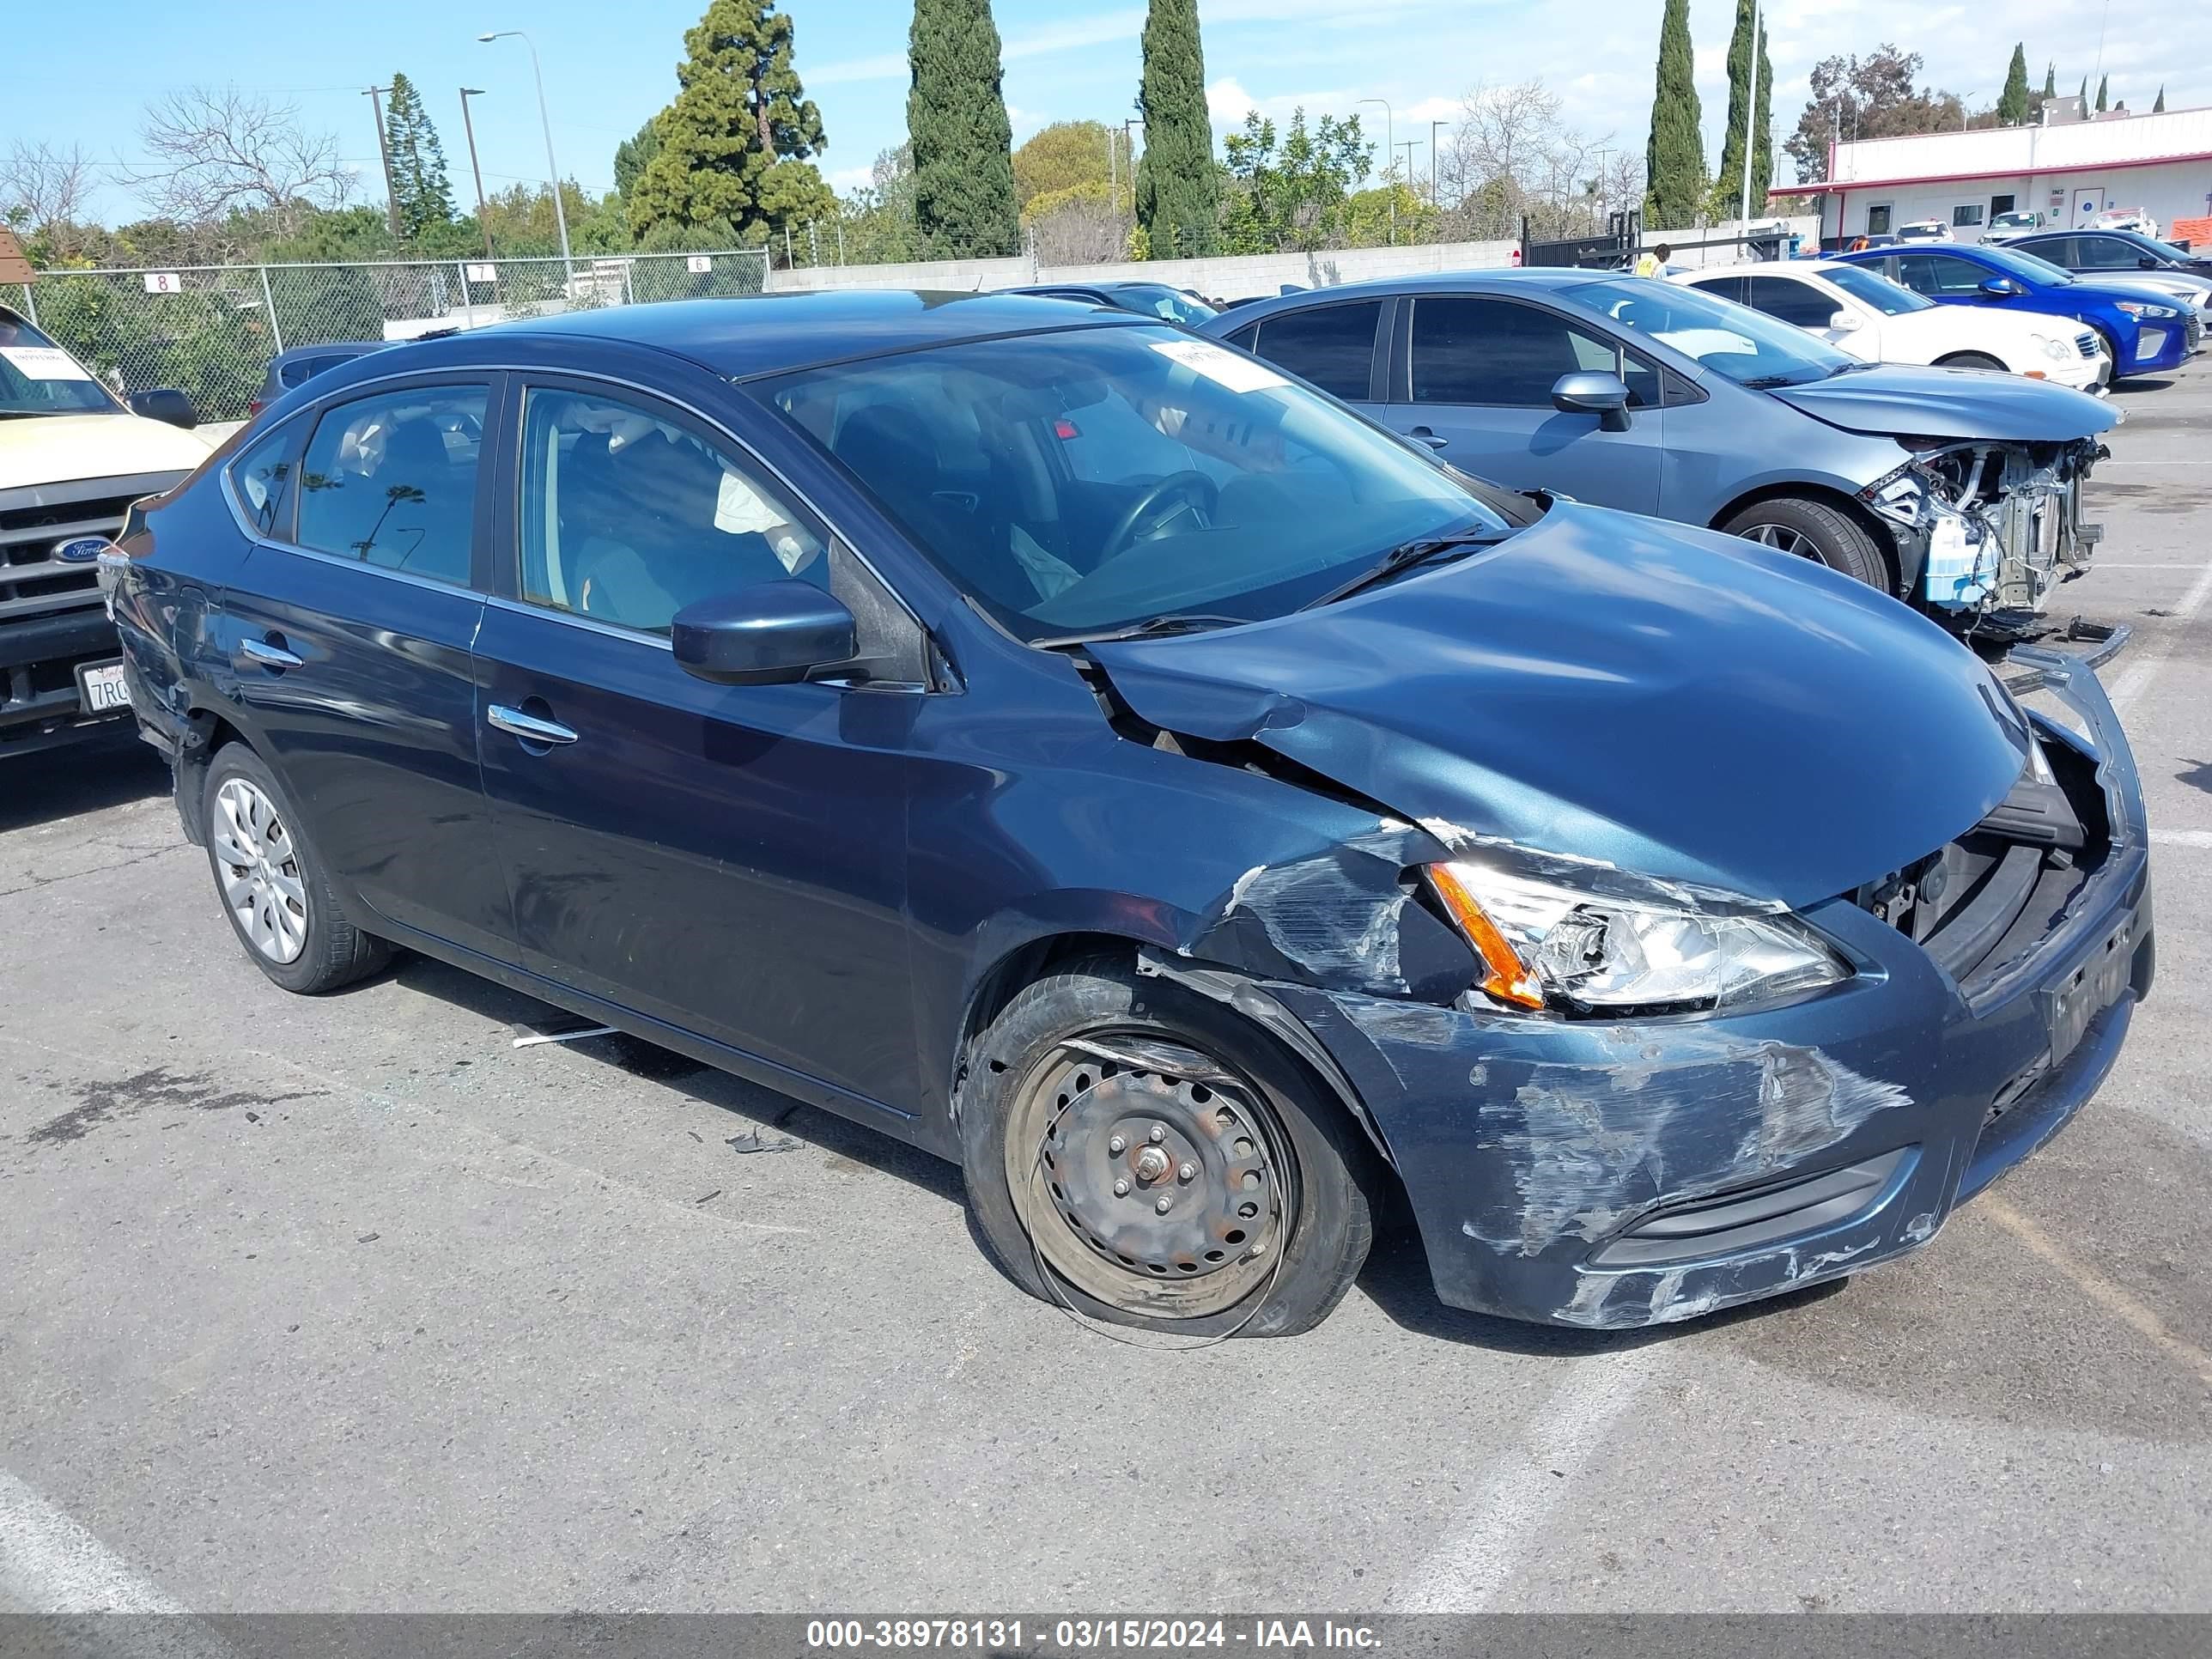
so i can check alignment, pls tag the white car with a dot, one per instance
(1924, 230)
(1863, 312)
(2126, 219)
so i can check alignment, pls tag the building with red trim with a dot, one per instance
(2067, 167)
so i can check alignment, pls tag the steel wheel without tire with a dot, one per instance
(259, 871)
(278, 901)
(1140, 1155)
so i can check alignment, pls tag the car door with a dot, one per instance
(1481, 371)
(348, 631)
(1814, 309)
(1332, 345)
(728, 859)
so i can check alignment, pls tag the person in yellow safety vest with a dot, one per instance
(1652, 262)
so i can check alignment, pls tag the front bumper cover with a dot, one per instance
(1617, 1173)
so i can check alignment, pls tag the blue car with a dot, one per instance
(2142, 331)
(1070, 747)
(1932, 485)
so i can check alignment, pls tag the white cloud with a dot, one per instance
(1228, 103)
(846, 178)
(885, 66)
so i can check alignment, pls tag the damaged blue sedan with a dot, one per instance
(1075, 749)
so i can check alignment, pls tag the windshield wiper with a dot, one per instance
(1174, 621)
(1404, 556)
(1768, 382)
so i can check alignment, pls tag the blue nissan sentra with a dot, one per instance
(2143, 330)
(1074, 748)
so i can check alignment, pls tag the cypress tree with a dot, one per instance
(2012, 103)
(1674, 157)
(1178, 187)
(2159, 108)
(955, 119)
(2103, 82)
(2050, 80)
(734, 146)
(1727, 189)
(633, 155)
(2085, 94)
(420, 193)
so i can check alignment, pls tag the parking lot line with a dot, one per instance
(51, 1564)
(2139, 673)
(1522, 1488)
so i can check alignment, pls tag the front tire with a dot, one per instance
(1144, 1156)
(1971, 360)
(272, 889)
(1813, 530)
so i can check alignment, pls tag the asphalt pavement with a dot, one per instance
(349, 1304)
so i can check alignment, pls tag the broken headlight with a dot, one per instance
(1543, 945)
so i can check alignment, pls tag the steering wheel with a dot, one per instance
(1196, 487)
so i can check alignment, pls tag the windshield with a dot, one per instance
(1749, 347)
(1870, 289)
(37, 377)
(1153, 300)
(1091, 479)
(2025, 266)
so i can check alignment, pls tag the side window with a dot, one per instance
(392, 480)
(1969, 214)
(1789, 301)
(261, 477)
(1333, 346)
(1243, 338)
(1722, 288)
(1478, 351)
(2099, 253)
(1939, 274)
(628, 518)
(1878, 219)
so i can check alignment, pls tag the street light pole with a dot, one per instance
(1750, 121)
(1390, 148)
(484, 218)
(560, 215)
(1409, 146)
(384, 149)
(1433, 168)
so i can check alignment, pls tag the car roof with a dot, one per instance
(331, 348)
(1782, 267)
(771, 333)
(1497, 279)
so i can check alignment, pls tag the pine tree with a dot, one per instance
(2012, 104)
(421, 196)
(955, 119)
(734, 146)
(1674, 158)
(633, 155)
(1178, 185)
(1727, 189)
(2159, 108)
(2103, 82)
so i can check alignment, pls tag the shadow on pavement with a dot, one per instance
(109, 770)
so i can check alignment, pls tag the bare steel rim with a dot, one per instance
(257, 865)
(1784, 538)
(1149, 1176)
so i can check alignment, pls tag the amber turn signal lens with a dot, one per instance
(1505, 975)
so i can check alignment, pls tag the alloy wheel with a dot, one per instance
(259, 866)
(1784, 539)
(1149, 1176)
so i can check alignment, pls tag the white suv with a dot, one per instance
(1863, 312)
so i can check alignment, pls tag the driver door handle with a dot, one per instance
(529, 727)
(1421, 435)
(269, 654)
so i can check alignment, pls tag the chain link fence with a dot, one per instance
(210, 331)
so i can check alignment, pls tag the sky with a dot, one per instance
(83, 73)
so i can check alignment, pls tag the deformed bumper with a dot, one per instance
(1616, 1173)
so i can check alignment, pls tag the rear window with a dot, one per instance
(1332, 346)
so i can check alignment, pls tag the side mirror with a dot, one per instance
(164, 403)
(2000, 288)
(1844, 322)
(1588, 391)
(770, 635)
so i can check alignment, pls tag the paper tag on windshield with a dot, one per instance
(43, 363)
(1222, 368)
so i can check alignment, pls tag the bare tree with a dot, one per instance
(215, 149)
(45, 191)
(1510, 155)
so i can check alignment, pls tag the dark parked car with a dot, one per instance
(2126, 254)
(2142, 331)
(1157, 299)
(1660, 398)
(1068, 746)
(296, 366)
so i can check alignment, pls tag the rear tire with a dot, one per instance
(1813, 530)
(271, 884)
(1069, 1155)
(1970, 360)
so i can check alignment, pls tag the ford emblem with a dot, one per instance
(81, 550)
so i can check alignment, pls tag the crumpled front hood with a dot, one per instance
(1951, 403)
(1677, 703)
(62, 448)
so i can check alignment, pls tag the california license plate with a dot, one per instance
(2089, 990)
(101, 689)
